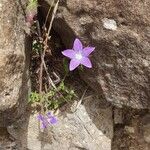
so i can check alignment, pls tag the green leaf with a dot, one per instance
(33, 4)
(34, 97)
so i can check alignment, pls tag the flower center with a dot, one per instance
(78, 56)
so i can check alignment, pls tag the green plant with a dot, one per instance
(36, 46)
(48, 94)
(34, 97)
(54, 98)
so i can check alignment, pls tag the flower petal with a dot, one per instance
(49, 114)
(88, 50)
(69, 53)
(40, 117)
(52, 120)
(74, 64)
(77, 46)
(42, 120)
(43, 125)
(86, 62)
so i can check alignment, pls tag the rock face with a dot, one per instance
(146, 127)
(120, 31)
(88, 128)
(134, 133)
(13, 62)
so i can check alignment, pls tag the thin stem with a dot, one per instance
(48, 13)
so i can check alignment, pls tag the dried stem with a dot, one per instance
(57, 80)
(45, 43)
(51, 22)
(48, 75)
(48, 13)
(43, 39)
(41, 65)
(40, 78)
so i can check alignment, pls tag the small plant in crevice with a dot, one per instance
(36, 46)
(51, 91)
(31, 12)
(54, 98)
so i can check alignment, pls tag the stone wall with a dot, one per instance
(14, 61)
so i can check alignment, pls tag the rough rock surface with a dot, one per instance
(5, 142)
(13, 61)
(134, 133)
(146, 127)
(120, 31)
(89, 127)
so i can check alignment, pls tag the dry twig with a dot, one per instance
(45, 46)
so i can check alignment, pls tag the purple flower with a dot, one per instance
(46, 120)
(43, 120)
(51, 119)
(78, 55)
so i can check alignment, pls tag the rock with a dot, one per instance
(121, 61)
(89, 127)
(14, 62)
(146, 128)
(109, 24)
(118, 116)
(133, 134)
(129, 129)
(147, 133)
(5, 142)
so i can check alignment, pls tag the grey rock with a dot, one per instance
(146, 128)
(121, 61)
(134, 133)
(5, 142)
(118, 116)
(14, 61)
(88, 128)
(109, 24)
(129, 129)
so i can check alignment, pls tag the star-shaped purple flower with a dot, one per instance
(43, 121)
(78, 55)
(47, 120)
(51, 119)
